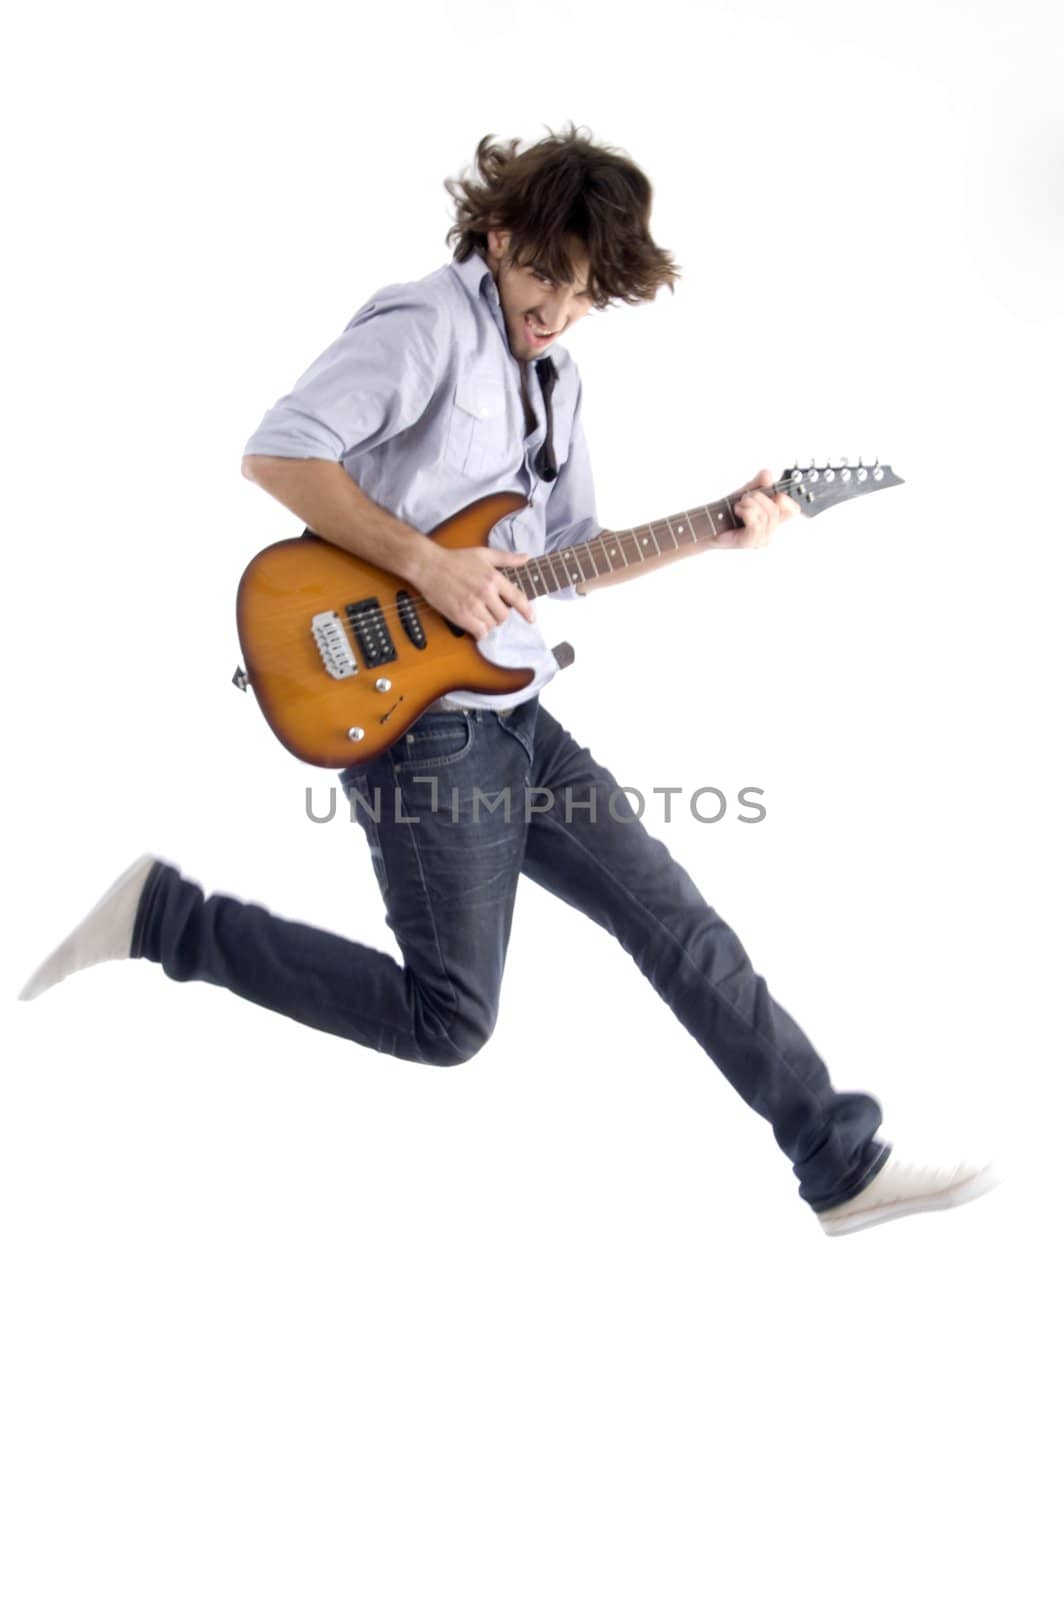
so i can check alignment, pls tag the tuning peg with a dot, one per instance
(844, 461)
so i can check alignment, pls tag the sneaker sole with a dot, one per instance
(979, 1183)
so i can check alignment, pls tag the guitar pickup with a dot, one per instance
(410, 620)
(366, 618)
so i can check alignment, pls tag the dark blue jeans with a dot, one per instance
(454, 813)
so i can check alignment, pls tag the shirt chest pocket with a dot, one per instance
(478, 430)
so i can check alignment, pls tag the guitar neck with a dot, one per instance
(815, 489)
(645, 547)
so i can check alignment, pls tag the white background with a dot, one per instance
(282, 1317)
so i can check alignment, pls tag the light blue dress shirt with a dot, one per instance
(419, 399)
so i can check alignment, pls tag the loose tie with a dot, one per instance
(546, 465)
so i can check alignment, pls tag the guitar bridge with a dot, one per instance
(336, 653)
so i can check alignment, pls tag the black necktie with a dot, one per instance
(546, 465)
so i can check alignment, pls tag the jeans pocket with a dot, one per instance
(436, 740)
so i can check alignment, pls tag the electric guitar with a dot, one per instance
(343, 656)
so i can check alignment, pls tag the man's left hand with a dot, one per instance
(759, 513)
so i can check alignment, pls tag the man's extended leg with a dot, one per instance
(590, 849)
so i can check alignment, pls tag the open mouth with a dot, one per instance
(538, 334)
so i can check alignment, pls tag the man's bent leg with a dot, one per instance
(448, 883)
(605, 863)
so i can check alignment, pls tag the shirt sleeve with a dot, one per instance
(373, 381)
(571, 517)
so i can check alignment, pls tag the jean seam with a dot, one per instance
(442, 964)
(518, 740)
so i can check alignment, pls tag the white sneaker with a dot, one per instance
(105, 934)
(901, 1188)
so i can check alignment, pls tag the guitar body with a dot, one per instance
(343, 656)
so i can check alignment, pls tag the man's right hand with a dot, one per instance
(470, 586)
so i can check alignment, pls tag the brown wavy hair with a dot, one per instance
(564, 184)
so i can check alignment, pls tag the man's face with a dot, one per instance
(532, 304)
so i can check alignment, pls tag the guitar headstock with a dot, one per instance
(817, 488)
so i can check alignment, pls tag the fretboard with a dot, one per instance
(633, 547)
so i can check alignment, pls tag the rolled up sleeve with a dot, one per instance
(371, 383)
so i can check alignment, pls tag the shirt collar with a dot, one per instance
(478, 280)
(475, 274)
